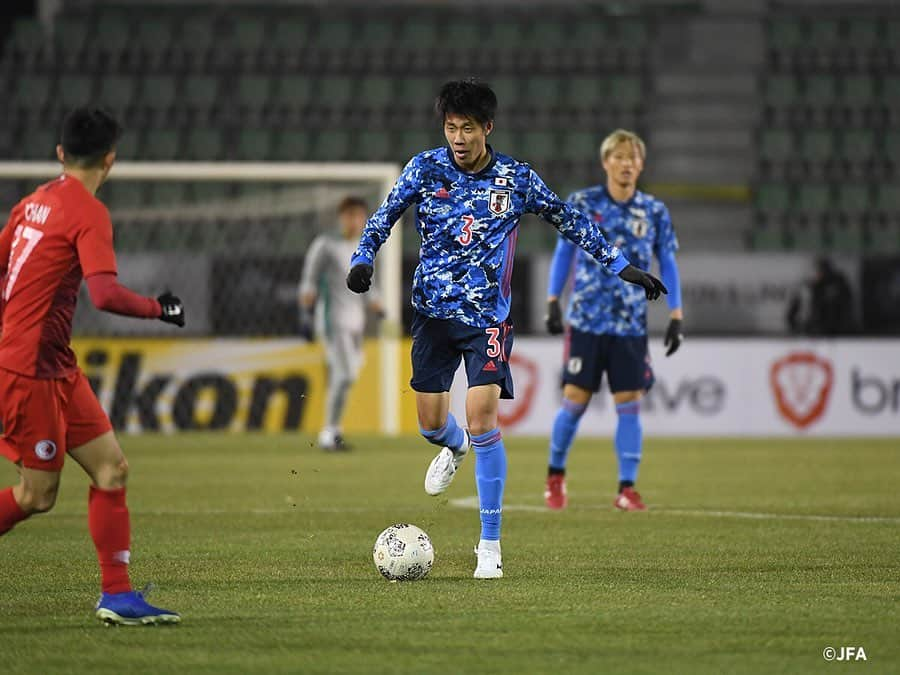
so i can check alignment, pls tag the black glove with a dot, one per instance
(359, 280)
(172, 309)
(674, 336)
(305, 326)
(553, 318)
(652, 286)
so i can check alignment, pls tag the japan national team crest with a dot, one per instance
(499, 201)
(638, 223)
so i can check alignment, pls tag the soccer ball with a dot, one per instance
(403, 552)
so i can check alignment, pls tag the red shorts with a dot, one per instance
(45, 418)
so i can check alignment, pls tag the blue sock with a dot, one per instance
(628, 440)
(450, 434)
(490, 475)
(564, 427)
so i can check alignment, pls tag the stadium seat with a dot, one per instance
(853, 199)
(158, 93)
(377, 33)
(776, 145)
(331, 146)
(539, 146)
(786, 33)
(249, 34)
(862, 32)
(373, 146)
(508, 91)
(74, 90)
(335, 93)
(197, 38)
(817, 146)
(773, 198)
(334, 34)
(161, 145)
(510, 34)
(152, 39)
(112, 37)
(294, 91)
(890, 146)
(123, 194)
(503, 141)
(824, 33)
(290, 33)
(37, 143)
(543, 91)
(888, 200)
(203, 143)
(415, 141)
(167, 194)
(813, 199)
(198, 93)
(254, 144)
(70, 36)
(858, 145)
(27, 36)
(858, 91)
(890, 90)
(419, 31)
(377, 92)
(292, 146)
(118, 93)
(781, 90)
(625, 92)
(820, 90)
(632, 34)
(253, 94)
(462, 34)
(586, 92)
(32, 93)
(581, 146)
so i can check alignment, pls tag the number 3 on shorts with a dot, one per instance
(18, 254)
(493, 350)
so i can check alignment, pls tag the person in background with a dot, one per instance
(342, 313)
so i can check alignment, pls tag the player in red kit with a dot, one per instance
(54, 238)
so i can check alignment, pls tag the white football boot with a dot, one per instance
(443, 467)
(490, 562)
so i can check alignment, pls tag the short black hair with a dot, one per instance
(87, 134)
(469, 98)
(352, 202)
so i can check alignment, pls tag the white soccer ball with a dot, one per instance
(403, 552)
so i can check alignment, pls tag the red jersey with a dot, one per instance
(54, 238)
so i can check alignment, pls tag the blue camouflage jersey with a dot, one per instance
(601, 302)
(468, 224)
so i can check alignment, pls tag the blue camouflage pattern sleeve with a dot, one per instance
(560, 266)
(666, 241)
(378, 228)
(571, 223)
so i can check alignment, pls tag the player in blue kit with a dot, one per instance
(468, 201)
(607, 319)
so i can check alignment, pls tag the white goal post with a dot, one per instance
(390, 259)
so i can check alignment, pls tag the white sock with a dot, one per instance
(485, 544)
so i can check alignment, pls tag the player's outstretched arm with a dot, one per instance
(109, 295)
(560, 267)
(378, 228)
(573, 224)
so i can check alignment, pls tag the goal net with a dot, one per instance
(229, 239)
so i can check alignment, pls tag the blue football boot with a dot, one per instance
(131, 609)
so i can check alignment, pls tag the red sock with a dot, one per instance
(10, 511)
(111, 532)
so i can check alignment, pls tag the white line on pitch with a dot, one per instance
(472, 503)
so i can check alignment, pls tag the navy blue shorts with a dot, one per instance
(438, 345)
(625, 360)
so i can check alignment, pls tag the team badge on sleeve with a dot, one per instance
(499, 201)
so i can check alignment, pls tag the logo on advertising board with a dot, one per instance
(801, 383)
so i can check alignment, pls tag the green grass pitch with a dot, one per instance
(754, 557)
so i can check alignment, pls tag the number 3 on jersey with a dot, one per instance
(466, 237)
(24, 241)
